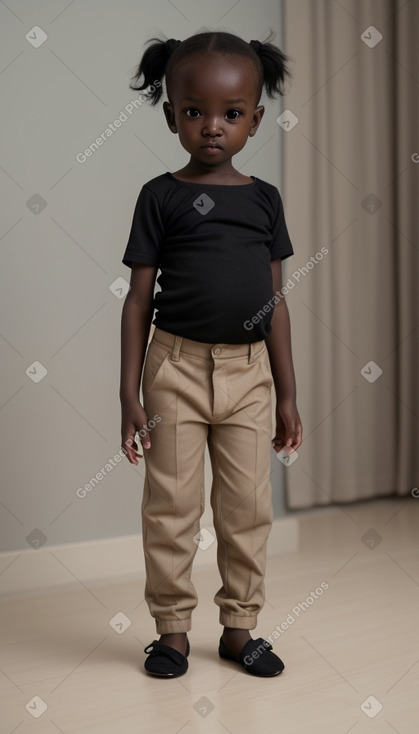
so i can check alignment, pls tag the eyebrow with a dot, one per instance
(226, 101)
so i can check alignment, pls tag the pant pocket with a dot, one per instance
(265, 366)
(156, 356)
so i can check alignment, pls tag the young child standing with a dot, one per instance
(221, 341)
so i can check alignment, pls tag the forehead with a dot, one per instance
(214, 75)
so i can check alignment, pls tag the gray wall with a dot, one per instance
(63, 231)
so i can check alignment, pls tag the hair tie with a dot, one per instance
(256, 45)
(171, 44)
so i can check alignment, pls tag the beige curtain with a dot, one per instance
(350, 185)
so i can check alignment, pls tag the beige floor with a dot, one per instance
(358, 639)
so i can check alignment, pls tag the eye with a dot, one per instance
(192, 112)
(233, 114)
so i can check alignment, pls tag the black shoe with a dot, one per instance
(255, 657)
(164, 661)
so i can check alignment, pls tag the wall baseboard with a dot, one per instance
(61, 567)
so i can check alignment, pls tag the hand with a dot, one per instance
(289, 431)
(134, 419)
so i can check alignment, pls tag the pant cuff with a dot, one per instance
(243, 622)
(167, 626)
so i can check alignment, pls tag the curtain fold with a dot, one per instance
(350, 186)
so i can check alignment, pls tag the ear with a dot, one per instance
(257, 117)
(170, 116)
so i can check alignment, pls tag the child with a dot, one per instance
(221, 341)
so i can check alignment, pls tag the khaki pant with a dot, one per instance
(220, 394)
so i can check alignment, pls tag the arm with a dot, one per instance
(136, 319)
(288, 424)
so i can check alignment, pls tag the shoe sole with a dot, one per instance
(164, 675)
(246, 670)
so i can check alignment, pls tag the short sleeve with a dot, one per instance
(147, 231)
(281, 244)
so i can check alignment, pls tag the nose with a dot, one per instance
(212, 127)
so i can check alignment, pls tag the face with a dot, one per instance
(213, 106)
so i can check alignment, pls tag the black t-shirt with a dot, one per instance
(213, 244)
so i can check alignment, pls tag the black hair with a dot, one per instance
(159, 60)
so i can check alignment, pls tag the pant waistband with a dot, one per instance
(179, 344)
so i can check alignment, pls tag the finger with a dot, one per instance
(277, 444)
(144, 437)
(130, 448)
(298, 437)
(129, 451)
(289, 444)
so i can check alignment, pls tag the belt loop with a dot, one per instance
(176, 349)
(251, 351)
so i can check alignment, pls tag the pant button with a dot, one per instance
(216, 351)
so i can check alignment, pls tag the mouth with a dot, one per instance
(211, 149)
